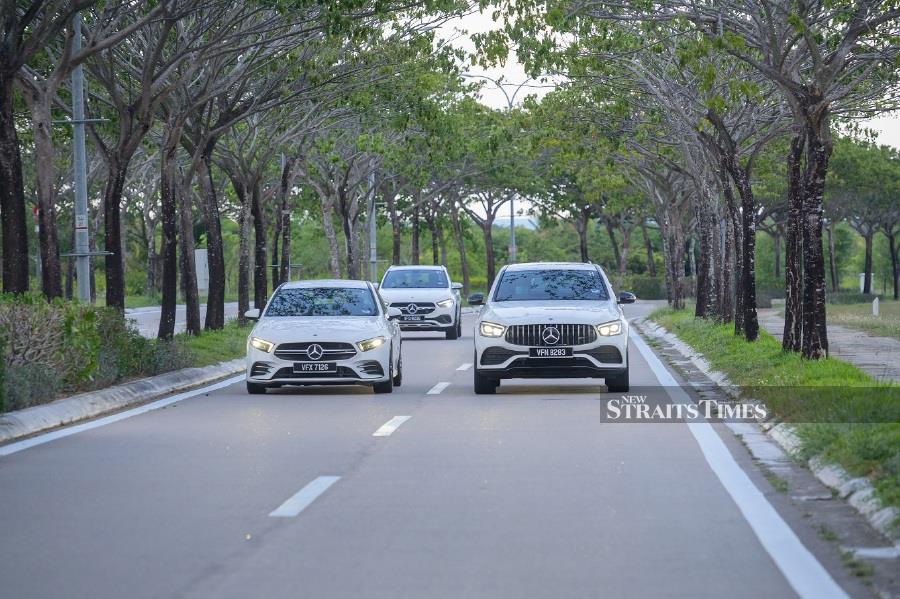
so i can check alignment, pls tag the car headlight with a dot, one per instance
(370, 344)
(609, 329)
(490, 329)
(262, 344)
(445, 303)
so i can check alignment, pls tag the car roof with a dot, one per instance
(549, 265)
(326, 283)
(416, 267)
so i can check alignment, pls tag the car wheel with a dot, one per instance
(398, 378)
(618, 383)
(453, 332)
(459, 325)
(255, 388)
(388, 385)
(485, 385)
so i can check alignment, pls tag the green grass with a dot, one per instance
(148, 301)
(839, 411)
(211, 347)
(859, 317)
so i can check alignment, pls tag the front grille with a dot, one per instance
(498, 355)
(606, 354)
(569, 334)
(421, 307)
(342, 372)
(333, 351)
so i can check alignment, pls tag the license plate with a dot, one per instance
(551, 352)
(411, 318)
(315, 367)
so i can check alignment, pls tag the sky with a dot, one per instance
(886, 127)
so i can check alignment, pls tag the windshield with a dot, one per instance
(323, 301)
(427, 278)
(535, 285)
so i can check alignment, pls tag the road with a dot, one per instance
(147, 319)
(522, 494)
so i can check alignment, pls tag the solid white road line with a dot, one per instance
(465, 366)
(800, 567)
(80, 428)
(388, 428)
(438, 388)
(304, 497)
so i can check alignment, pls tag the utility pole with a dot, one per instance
(373, 229)
(82, 255)
(513, 250)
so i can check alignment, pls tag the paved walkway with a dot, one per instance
(878, 356)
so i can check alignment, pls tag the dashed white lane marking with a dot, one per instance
(388, 428)
(438, 388)
(304, 497)
(800, 567)
(465, 366)
(80, 428)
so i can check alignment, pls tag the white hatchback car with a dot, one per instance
(322, 333)
(426, 298)
(551, 320)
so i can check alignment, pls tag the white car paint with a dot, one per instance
(433, 316)
(323, 330)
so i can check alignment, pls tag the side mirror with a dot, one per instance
(476, 299)
(393, 313)
(252, 314)
(456, 286)
(626, 297)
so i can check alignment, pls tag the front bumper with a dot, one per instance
(367, 368)
(440, 319)
(602, 358)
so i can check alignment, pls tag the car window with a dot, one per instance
(426, 278)
(562, 284)
(322, 301)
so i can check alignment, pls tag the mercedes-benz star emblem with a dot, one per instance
(412, 308)
(314, 351)
(550, 335)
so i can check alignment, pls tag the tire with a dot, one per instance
(452, 333)
(388, 385)
(255, 388)
(398, 378)
(459, 325)
(485, 385)
(618, 383)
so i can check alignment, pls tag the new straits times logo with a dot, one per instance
(637, 408)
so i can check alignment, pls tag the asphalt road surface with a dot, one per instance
(147, 319)
(324, 492)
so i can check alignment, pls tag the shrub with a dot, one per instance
(850, 297)
(644, 286)
(30, 384)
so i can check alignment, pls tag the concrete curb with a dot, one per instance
(29, 421)
(858, 492)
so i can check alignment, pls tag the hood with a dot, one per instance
(572, 312)
(411, 294)
(280, 329)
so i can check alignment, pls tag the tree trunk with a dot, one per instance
(168, 248)
(776, 243)
(623, 256)
(215, 299)
(581, 224)
(793, 269)
(895, 272)
(260, 253)
(832, 260)
(152, 261)
(432, 228)
(112, 228)
(245, 218)
(819, 146)
(461, 244)
(414, 253)
(285, 218)
(734, 219)
(331, 236)
(188, 265)
(612, 241)
(395, 228)
(488, 230)
(648, 246)
(12, 193)
(728, 267)
(748, 256)
(868, 236)
(44, 159)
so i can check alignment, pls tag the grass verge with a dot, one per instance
(838, 410)
(859, 317)
(211, 347)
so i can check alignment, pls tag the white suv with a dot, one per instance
(551, 320)
(426, 298)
